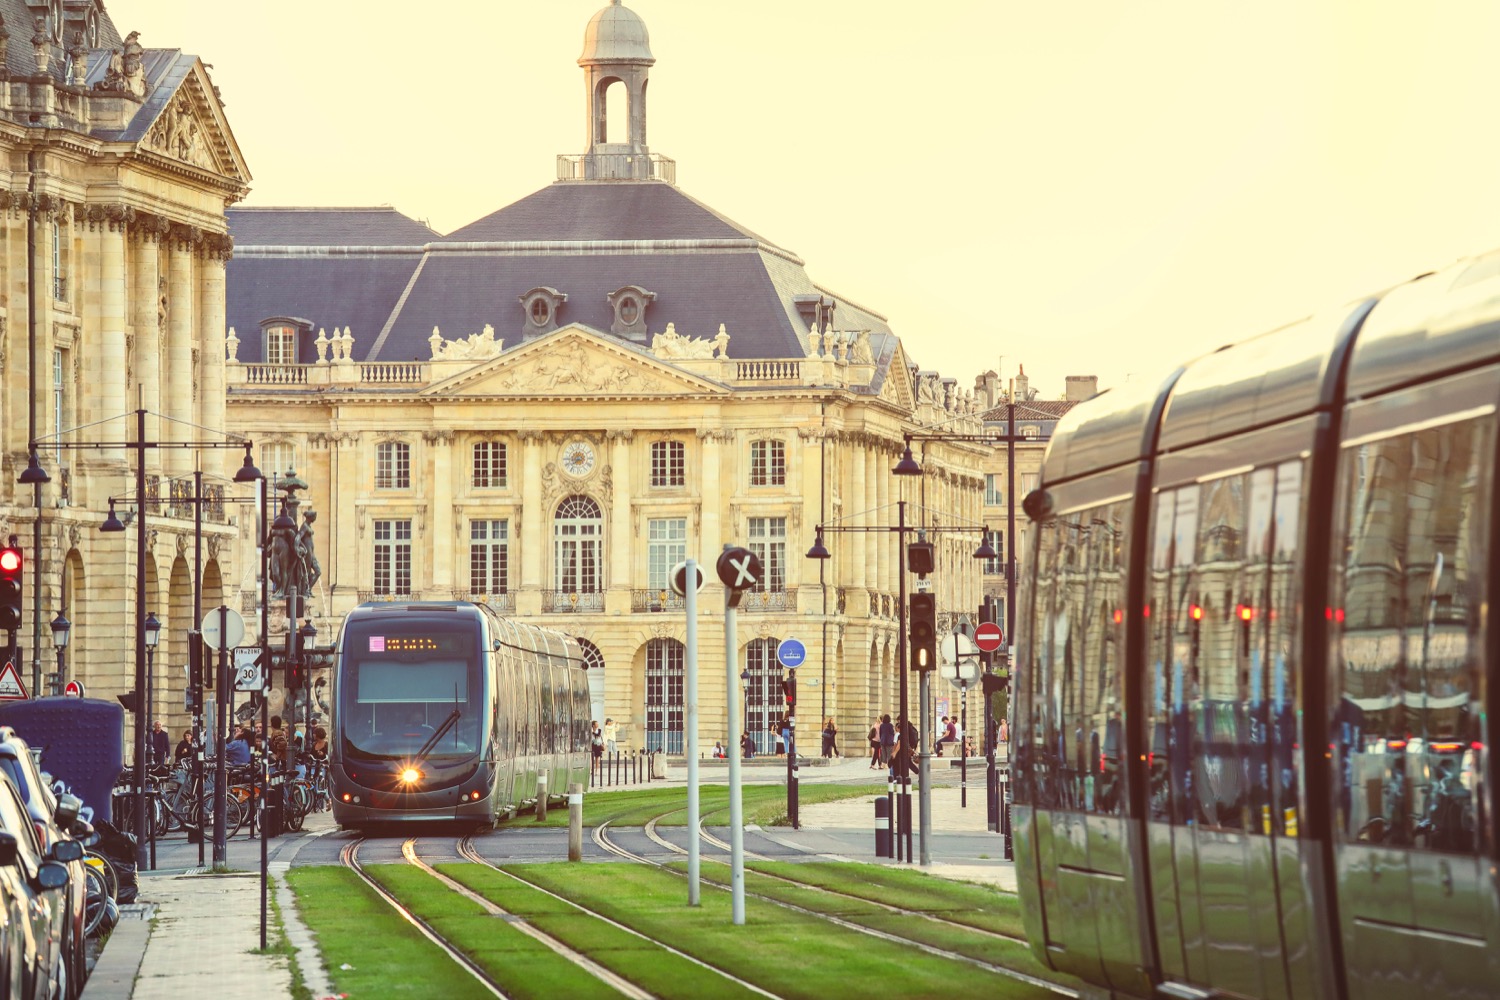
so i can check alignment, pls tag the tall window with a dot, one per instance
(668, 463)
(281, 345)
(763, 702)
(577, 546)
(768, 542)
(393, 557)
(994, 490)
(392, 465)
(59, 361)
(997, 542)
(667, 546)
(664, 675)
(59, 279)
(767, 463)
(489, 465)
(277, 458)
(489, 557)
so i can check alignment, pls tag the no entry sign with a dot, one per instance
(988, 637)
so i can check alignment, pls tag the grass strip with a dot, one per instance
(984, 907)
(866, 913)
(371, 951)
(524, 967)
(648, 965)
(791, 954)
(765, 805)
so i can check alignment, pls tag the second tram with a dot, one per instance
(1258, 664)
(446, 711)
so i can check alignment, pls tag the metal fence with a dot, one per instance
(620, 768)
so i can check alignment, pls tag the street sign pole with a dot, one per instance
(221, 783)
(690, 601)
(739, 569)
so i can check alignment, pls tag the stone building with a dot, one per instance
(552, 406)
(119, 163)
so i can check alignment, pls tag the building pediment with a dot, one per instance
(190, 126)
(897, 388)
(574, 361)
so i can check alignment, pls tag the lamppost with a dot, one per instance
(305, 636)
(35, 474)
(61, 628)
(152, 637)
(901, 529)
(745, 686)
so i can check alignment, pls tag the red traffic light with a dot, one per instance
(10, 560)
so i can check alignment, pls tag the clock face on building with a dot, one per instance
(578, 458)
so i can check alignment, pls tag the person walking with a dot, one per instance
(873, 738)
(278, 744)
(778, 739)
(161, 744)
(184, 749)
(611, 735)
(887, 739)
(747, 746)
(596, 740)
(830, 735)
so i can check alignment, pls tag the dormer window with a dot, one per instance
(281, 345)
(629, 304)
(541, 306)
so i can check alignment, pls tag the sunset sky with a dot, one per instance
(1084, 188)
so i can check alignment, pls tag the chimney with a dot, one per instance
(1081, 387)
(987, 388)
(1022, 384)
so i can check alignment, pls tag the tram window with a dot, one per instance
(1158, 624)
(1407, 725)
(1043, 734)
(1105, 634)
(1282, 621)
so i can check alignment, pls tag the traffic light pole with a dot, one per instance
(791, 746)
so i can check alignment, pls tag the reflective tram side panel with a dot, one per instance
(1410, 606)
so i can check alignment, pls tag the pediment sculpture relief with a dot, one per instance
(573, 368)
(476, 347)
(179, 134)
(672, 344)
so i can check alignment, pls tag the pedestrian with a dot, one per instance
(950, 734)
(278, 744)
(1004, 733)
(887, 739)
(787, 735)
(718, 750)
(184, 749)
(961, 738)
(611, 735)
(596, 739)
(161, 743)
(320, 743)
(778, 739)
(237, 750)
(874, 740)
(830, 736)
(747, 746)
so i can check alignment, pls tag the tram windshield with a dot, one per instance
(410, 687)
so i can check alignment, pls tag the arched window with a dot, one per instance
(664, 672)
(764, 705)
(594, 660)
(577, 546)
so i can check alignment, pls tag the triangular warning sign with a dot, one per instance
(11, 688)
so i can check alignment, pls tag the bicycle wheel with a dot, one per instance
(237, 809)
(298, 801)
(95, 861)
(96, 900)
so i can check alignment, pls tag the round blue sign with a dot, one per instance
(791, 653)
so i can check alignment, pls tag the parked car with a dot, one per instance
(53, 818)
(32, 897)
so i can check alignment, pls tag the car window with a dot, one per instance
(14, 819)
(13, 771)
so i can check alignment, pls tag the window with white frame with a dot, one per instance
(666, 546)
(768, 542)
(577, 546)
(997, 542)
(392, 465)
(994, 490)
(489, 465)
(767, 463)
(59, 397)
(281, 345)
(59, 264)
(277, 458)
(489, 557)
(668, 463)
(393, 557)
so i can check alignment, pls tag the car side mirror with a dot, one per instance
(7, 849)
(51, 876)
(66, 811)
(65, 851)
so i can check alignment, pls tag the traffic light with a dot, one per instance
(12, 566)
(789, 691)
(924, 631)
(195, 669)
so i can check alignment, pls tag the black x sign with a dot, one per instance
(739, 569)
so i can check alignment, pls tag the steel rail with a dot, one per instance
(349, 858)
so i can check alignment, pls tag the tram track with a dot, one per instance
(349, 858)
(602, 839)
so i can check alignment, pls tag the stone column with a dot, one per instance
(617, 493)
(858, 549)
(112, 362)
(177, 387)
(710, 522)
(440, 447)
(211, 400)
(885, 575)
(348, 542)
(530, 523)
(145, 298)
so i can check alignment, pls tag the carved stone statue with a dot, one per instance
(309, 570)
(862, 354)
(130, 65)
(721, 343)
(282, 563)
(672, 344)
(475, 347)
(812, 343)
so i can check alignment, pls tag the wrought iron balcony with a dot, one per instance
(571, 602)
(769, 600)
(655, 600)
(381, 595)
(505, 604)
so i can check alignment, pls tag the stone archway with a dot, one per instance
(170, 674)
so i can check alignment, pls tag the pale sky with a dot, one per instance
(1085, 188)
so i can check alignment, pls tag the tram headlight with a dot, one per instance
(410, 776)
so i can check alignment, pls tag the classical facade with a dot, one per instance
(118, 164)
(551, 407)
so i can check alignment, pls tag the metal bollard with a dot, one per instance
(890, 812)
(541, 796)
(575, 822)
(882, 826)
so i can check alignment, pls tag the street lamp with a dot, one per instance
(61, 628)
(305, 636)
(745, 686)
(152, 630)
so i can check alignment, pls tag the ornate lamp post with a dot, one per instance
(61, 628)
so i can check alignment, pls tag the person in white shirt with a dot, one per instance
(611, 731)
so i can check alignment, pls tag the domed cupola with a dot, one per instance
(616, 52)
(616, 35)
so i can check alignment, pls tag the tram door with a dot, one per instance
(1229, 903)
(1416, 892)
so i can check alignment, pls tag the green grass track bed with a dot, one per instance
(765, 805)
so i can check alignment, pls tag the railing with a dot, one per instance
(276, 374)
(213, 511)
(503, 603)
(378, 595)
(843, 601)
(391, 372)
(566, 602)
(620, 768)
(885, 606)
(768, 600)
(768, 371)
(669, 740)
(64, 487)
(655, 600)
(153, 494)
(616, 167)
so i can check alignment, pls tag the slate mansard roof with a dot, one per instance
(391, 279)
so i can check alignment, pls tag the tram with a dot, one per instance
(446, 711)
(1258, 662)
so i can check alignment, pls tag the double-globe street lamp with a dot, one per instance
(900, 529)
(61, 629)
(35, 475)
